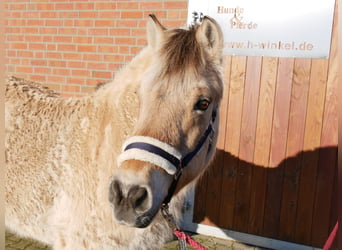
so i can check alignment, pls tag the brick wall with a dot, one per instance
(71, 45)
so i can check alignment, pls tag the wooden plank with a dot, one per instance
(278, 144)
(324, 196)
(261, 214)
(229, 171)
(312, 138)
(295, 139)
(281, 111)
(247, 140)
(265, 111)
(262, 140)
(322, 210)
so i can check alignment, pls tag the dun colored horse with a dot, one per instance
(93, 172)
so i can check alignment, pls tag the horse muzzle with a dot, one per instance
(132, 204)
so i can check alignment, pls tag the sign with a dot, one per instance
(279, 28)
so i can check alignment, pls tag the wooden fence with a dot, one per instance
(275, 173)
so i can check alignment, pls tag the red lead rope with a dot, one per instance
(331, 238)
(189, 240)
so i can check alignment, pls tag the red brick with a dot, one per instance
(53, 22)
(66, 47)
(51, 14)
(176, 5)
(30, 38)
(114, 66)
(61, 71)
(125, 40)
(64, 6)
(31, 14)
(84, 6)
(38, 62)
(28, 30)
(68, 14)
(124, 49)
(23, 69)
(113, 58)
(17, 6)
(86, 48)
(48, 30)
(92, 57)
(105, 6)
(67, 31)
(110, 14)
(18, 45)
(9, 30)
(119, 32)
(39, 78)
(88, 14)
(25, 61)
(35, 22)
(138, 32)
(38, 54)
(104, 23)
(54, 55)
(131, 14)
(73, 80)
(12, 38)
(84, 23)
(93, 82)
(103, 40)
(47, 39)
(51, 47)
(151, 5)
(98, 32)
(82, 39)
(126, 23)
(95, 65)
(128, 5)
(62, 39)
(173, 14)
(57, 63)
(24, 53)
(102, 74)
(76, 64)
(13, 53)
(79, 72)
(72, 56)
(45, 6)
(42, 70)
(56, 79)
(68, 22)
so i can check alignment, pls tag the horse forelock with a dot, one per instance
(182, 52)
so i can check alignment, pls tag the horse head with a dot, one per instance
(176, 131)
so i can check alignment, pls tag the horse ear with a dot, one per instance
(155, 31)
(209, 35)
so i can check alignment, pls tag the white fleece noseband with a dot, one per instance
(148, 156)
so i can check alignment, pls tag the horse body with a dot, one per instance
(63, 184)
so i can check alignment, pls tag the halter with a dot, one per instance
(165, 156)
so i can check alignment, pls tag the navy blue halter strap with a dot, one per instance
(179, 164)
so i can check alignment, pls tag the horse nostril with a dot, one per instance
(115, 193)
(138, 198)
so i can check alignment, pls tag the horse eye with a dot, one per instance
(202, 105)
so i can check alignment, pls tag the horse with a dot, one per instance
(93, 172)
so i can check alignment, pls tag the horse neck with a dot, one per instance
(120, 96)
